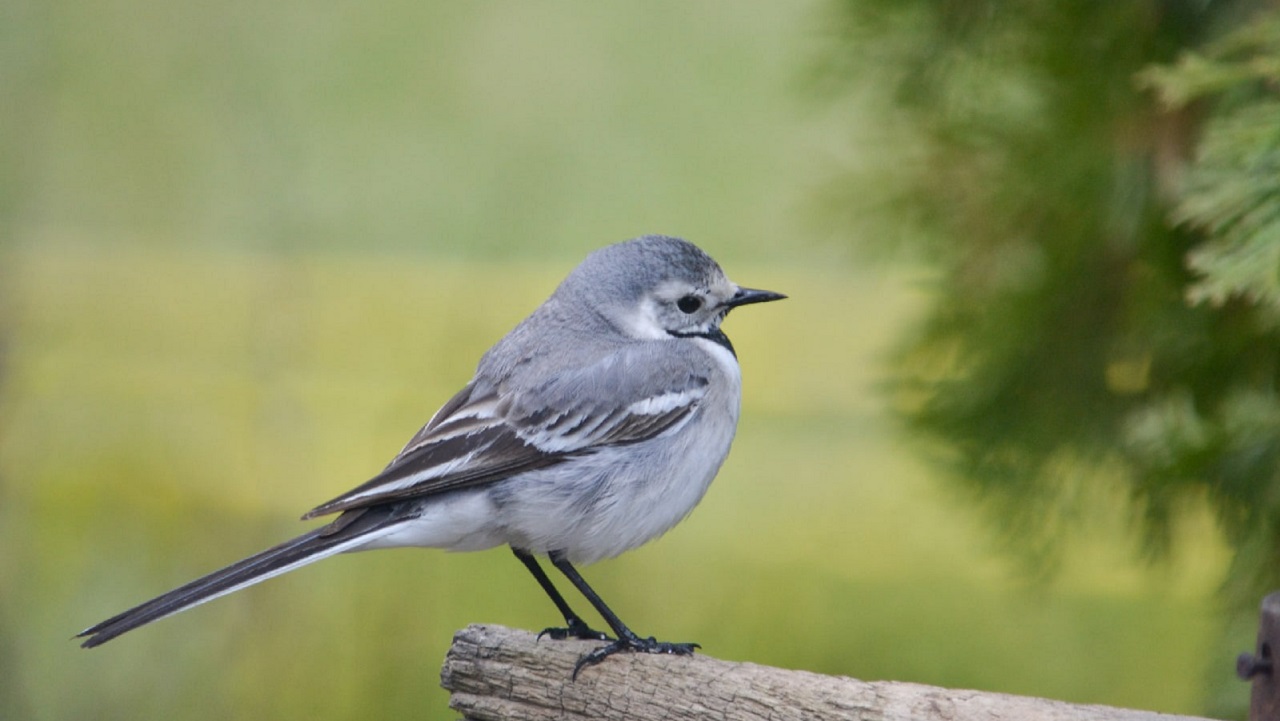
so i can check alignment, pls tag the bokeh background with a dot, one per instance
(247, 249)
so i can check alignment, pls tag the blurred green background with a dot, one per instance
(248, 249)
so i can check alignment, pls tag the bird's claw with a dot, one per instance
(575, 629)
(632, 644)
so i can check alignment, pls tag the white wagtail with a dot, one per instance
(593, 427)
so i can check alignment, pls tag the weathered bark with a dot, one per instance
(502, 674)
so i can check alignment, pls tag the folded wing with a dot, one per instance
(485, 434)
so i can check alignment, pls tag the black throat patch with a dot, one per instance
(716, 336)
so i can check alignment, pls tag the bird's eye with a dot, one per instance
(689, 303)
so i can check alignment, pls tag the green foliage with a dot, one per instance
(1232, 190)
(1099, 185)
(1231, 194)
(1107, 308)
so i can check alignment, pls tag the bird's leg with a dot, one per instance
(627, 639)
(575, 627)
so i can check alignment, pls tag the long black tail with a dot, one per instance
(348, 531)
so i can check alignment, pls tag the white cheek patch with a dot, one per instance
(643, 322)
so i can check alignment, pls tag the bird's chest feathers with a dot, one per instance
(660, 494)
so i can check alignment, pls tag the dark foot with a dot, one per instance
(632, 644)
(575, 629)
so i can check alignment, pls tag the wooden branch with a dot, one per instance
(502, 674)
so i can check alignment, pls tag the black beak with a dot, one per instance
(747, 296)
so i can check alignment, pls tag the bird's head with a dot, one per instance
(658, 287)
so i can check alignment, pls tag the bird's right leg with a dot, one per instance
(575, 627)
(627, 639)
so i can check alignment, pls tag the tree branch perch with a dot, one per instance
(502, 674)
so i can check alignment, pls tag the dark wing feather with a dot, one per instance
(477, 458)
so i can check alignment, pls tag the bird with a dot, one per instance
(593, 427)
